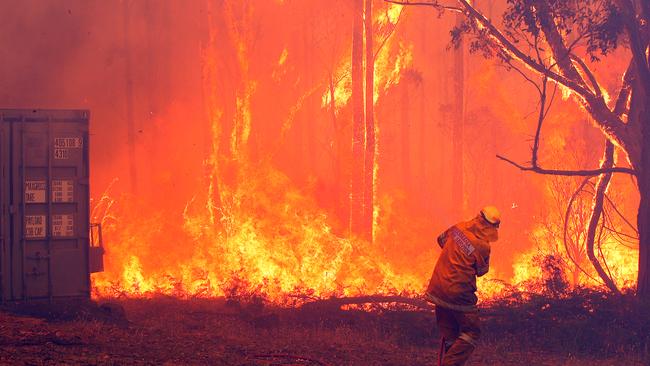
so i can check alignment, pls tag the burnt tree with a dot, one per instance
(128, 92)
(544, 37)
(358, 128)
(369, 160)
(458, 127)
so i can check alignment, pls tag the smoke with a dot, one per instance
(278, 58)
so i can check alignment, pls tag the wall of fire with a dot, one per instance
(167, 82)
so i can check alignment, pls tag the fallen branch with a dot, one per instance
(284, 357)
(435, 5)
(337, 302)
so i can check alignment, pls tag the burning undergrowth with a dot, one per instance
(260, 223)
(266, 239)
(258, 238)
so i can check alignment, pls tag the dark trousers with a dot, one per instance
(461, 331)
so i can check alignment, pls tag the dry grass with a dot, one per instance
(217, 332)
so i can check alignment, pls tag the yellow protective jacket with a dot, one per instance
(465, 255)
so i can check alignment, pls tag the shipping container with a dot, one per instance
(46, 249)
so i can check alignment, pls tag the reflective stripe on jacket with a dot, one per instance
(465, 255)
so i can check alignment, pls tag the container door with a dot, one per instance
(5, 239)
(69, 194)
(51, 192)
(30, 249)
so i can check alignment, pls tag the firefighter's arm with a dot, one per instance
(482, 262)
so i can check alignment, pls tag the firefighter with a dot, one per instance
(465, 256)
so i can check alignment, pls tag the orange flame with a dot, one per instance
(251, 230)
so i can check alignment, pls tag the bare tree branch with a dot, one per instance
(523, 75)
(610, 123)
(619, 109)
(600, 249)
(550, 103)
(540, 120)
(543, 110)
(569, 173)
(516, 53)
(424, 3)
(554, 39)
(566, 227)
(609, 200)
(601, 188)
(590, 75)
(628, 238)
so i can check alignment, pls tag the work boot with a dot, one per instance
(458, 353)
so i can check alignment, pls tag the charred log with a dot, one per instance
(338, 302)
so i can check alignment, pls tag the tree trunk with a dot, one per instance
(405, 133)
(643, 218)
(640, 110)
(422, 153)
(338, 151)
(497, 176)
(424, 148)
(130, 139)
(152, 99)
(442, 146)
(308, 154)
(369, 165)
(458, 122)
(356, 176)
(599, 197)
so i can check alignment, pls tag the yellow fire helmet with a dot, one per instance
(492, 215)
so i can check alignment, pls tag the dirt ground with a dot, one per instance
(215, 332)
